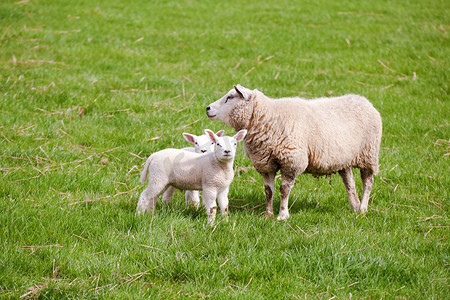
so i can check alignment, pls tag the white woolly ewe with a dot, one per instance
(210, 172)
(321, 136)
(202, 144)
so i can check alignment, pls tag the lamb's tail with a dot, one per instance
(145, 171)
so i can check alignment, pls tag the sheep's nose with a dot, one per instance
(227, 151)
(203, 151)
(208, 108)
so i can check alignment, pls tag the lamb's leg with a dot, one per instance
(349, 182)
(168, 194)
(367, 180)
(269, 181)
(147, 200)
(192, 197)
(287, 182)
(209, 200)
(222, 199)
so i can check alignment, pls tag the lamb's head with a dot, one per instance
(234, 109)
(202, 143)
(226, 145)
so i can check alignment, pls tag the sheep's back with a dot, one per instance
(320, 136)
(343, 131)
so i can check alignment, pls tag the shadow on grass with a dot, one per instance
(255, 203)
(248, 203)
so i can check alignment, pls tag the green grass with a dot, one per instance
(87, 86)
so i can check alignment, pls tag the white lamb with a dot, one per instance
(293, 135)
(202, 144)
(181, 169)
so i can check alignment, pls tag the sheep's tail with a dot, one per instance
(145, 171)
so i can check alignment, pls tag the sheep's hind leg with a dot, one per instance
(168, 194)
(287, 182)
(349, 182)
(192, 197)
(367, 180)
(269, 181)
(147, 200)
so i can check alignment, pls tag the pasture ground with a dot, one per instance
(88, 89)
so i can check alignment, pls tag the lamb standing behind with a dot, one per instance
(293, 135)
(210, 172)
(202, 144)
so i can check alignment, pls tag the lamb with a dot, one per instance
(211, 172)
(321, 136)
(202, 144)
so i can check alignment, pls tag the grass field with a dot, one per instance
(88, 89)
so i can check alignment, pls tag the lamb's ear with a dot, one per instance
(189, 137)
(220, 132)
(243, 92)
(211, 135)
(240, 135)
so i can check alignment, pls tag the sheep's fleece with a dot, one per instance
(320, 136)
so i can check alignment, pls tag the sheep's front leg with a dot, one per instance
(192, 197)
(367, 180)
(287, 182)
(222, 199)
(209, 200)
(349, 182)
(269, 182)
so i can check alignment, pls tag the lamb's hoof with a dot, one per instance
(284, 215)
(140, 212)
(211, 220)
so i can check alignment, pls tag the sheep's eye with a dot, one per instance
(218, 145)
(228, 98)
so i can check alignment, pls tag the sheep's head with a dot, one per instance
(226, 145)
(202, 143)
(234, 109)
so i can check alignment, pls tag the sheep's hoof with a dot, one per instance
(283, 216)
(269, 214)
(363, 209)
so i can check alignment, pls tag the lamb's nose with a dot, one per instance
(208, 108)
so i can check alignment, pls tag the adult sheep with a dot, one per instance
(321, 136)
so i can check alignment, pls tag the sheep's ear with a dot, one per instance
(220, 132)
(242, 91)
(240, 135)
(189, 137)
(211, 135)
